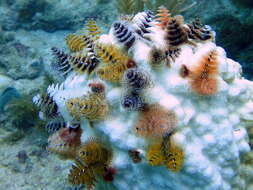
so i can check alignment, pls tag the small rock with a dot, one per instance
(22, 156)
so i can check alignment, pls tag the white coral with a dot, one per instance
(211, 130)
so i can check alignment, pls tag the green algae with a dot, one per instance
(24, 114)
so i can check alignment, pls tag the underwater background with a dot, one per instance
(30, 28)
